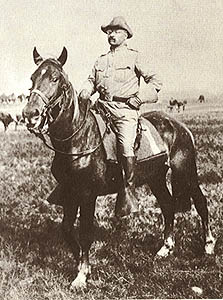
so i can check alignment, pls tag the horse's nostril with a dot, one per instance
(36, 113)
(30, 115)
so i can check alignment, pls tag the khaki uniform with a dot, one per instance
(118, 73)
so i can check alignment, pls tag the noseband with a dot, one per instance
(43, 97)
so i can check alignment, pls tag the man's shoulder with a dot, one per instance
(103, 55)
(132, 50)
(102, 58)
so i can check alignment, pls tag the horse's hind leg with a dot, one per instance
(164, 198)
(200, 203)
(188, 187)
(87, 209)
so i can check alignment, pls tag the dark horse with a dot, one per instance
(177, 105)
(83, 173)
(201, 99)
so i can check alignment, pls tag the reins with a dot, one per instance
(76, 131)
(79, 154)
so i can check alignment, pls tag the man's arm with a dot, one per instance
(149, 76)
(88, 87)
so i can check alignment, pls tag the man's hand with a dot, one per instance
(84, 94)
(151, 95)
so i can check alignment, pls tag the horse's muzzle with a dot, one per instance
(31, 117)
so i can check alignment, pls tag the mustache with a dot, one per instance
(111, 39)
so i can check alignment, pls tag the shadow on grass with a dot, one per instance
(42, 246)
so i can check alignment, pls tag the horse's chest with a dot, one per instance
(70, 169)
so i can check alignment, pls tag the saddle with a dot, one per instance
(148, 143)
(148, 146)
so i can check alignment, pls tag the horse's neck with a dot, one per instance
(71, 118)
(70, 104)
(68, 111)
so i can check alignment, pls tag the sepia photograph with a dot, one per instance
(111, 149)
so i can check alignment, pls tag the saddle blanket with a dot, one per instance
(150, 144)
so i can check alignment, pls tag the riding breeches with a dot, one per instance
(126, 121)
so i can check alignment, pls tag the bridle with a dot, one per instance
(47, 118)
(49, 104)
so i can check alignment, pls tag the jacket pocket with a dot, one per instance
(100, 72)
(122, 72)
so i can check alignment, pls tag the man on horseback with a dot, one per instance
(116, 77)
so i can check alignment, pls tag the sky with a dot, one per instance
(182, 39)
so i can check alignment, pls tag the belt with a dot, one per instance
(116, 99)
(133, 102)
(120, 99)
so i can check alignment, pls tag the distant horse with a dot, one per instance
(6, 119)
(18, 119)
(83, 173)
(170, 108)
(201, 99)
(181, 104)
(21, 98)
(177, 105)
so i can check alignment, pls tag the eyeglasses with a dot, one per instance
(116, 31)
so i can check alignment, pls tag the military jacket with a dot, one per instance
(118, 73)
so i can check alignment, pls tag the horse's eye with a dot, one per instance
(54, 79)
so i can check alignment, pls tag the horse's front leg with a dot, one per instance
(70, 212)
(87, 209)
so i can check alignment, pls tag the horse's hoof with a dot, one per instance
(209, 247)
(167, 248)
(164, 252)
(79, 284)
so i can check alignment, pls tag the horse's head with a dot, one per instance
(49, 83)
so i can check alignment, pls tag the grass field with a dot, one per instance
(36, 264)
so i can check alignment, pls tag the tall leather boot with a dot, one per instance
(126, 202)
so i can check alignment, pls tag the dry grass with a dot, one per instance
(36, 264)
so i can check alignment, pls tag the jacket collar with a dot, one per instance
(119, 48)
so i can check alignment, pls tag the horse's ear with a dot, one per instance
(63, 56)
(37, 58)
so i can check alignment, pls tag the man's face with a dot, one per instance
(116, 37)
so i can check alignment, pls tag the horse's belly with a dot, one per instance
(144, 172)
(66, 171)
(109, 179)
